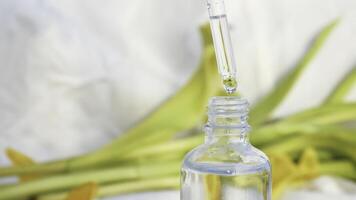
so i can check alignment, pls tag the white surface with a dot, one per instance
(74, 74)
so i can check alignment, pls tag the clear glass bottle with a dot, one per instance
(226, 166)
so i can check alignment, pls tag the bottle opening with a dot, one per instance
(227, 115)
(228, 105)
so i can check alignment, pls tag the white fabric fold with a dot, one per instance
(75, 74)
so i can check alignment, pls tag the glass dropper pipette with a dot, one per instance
(222, 44)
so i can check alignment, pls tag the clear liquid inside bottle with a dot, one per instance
(226, 166)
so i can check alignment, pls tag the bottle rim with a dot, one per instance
(227, 105)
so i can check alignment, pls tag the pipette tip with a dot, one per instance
(230, 84)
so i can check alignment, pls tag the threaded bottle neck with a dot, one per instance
(227, 117)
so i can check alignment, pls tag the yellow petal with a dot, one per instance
(288, 174)
(85, 192)
(19, 159)
(282, 167)
(283, 170)
(213, 187)
(309, 163)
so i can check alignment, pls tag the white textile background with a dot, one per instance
(74, 74)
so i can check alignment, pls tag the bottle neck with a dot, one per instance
(227, 120)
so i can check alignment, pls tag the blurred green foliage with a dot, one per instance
(301, 146)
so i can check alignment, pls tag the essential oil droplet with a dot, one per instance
(230, 84)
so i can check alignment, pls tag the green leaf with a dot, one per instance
(334, 142)
(306, 121)
(99, 176)
(343, 88)
(343, 168)
(117, 188)
(263, 109)
(334, 113)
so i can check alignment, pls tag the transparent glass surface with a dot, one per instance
(226, 166)
(222, 44)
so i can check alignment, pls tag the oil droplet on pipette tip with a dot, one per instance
(230, 84)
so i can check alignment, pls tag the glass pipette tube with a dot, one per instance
(222, 44)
